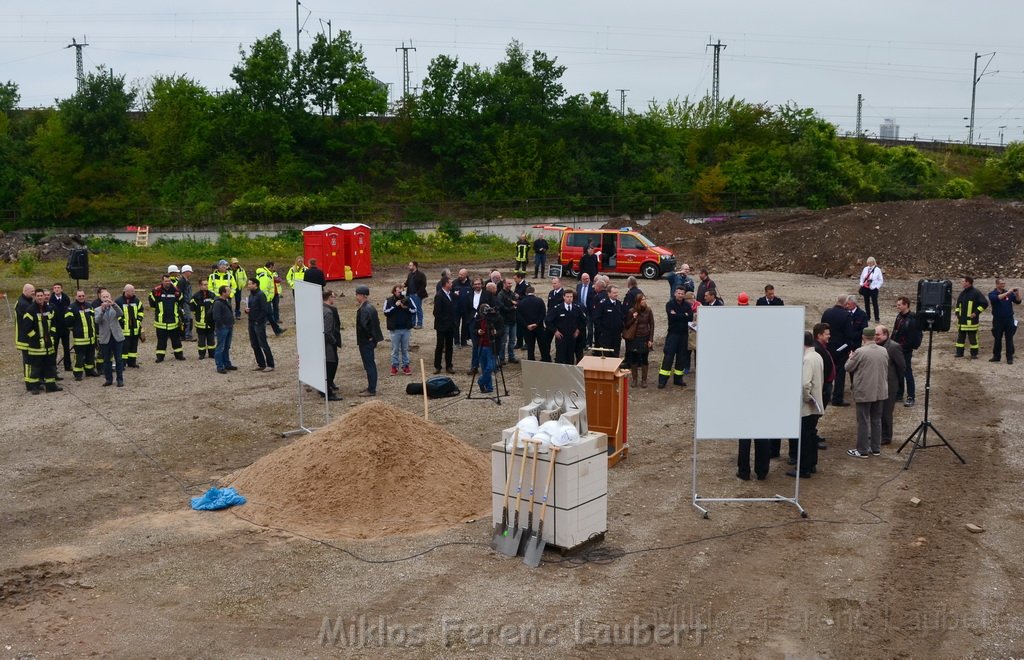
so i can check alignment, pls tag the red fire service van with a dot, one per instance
(623, 251)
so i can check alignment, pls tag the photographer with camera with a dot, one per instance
(400, 313)
(488, 328)
(1003, 323)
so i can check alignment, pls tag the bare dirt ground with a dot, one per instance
(101, 555)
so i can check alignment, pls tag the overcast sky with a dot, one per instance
(911, 59)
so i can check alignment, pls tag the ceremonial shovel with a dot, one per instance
(502, 527)
(535, 544)
(511, 537)
(533, 491)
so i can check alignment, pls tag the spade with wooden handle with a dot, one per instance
(535, 544)
(510, 540)
(502, 527)
(533, 491)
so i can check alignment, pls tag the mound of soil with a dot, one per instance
(376, 471)
(48, 248)
(937, 238)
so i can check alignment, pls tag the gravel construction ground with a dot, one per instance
(100, 554)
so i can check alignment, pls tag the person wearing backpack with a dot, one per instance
(906, 332)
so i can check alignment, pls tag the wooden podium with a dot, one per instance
(607, 402)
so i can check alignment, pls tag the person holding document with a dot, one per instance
(811, 409)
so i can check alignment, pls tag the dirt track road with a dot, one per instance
(100, 554)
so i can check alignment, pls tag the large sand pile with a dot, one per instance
(377, 471)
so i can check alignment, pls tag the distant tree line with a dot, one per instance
(304, 136)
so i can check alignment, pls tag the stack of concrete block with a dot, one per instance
(577, 498)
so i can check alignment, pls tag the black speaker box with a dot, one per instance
(935, 304)
(78, 264)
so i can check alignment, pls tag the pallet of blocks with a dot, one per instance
(578, 495)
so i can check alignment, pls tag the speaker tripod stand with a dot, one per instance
(919, 438)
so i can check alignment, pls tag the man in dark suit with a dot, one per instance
(566, 322)
(531, 312)
(769, 298)
(585, 299)
(314, 275)
(838, 319)
(445, 325)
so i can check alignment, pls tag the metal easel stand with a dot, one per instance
(496, 395)
(302, 424)
(919, 437)
(795, 500)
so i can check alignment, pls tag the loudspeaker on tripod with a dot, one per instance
(935, 304)
(78, 264)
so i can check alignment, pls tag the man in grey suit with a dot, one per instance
(897, 367)
(869, 372)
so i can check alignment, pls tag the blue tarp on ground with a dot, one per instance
(217, 498)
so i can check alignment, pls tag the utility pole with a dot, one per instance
(974, 88)
(79, 68)
(297, 47)
(622, 101)
(330, 36)
(714, 84)
(860, 106)
(405, 66)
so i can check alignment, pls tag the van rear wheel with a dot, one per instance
(650, 271)
(572, 271)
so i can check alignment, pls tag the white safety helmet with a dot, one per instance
(173, 269)
(186, 268)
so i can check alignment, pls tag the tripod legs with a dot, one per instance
(919, 438)
(920, 435)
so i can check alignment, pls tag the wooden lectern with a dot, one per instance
(607, 399)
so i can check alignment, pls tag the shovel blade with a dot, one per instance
(499, 534)
(509, 544)
(534, 550)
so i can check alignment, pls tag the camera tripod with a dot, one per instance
(496, 391)
(919, 437)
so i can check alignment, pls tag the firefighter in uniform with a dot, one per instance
(202, 306)
(677, 347)
(969, 306)
(82, 321)
(36, 326)
(131, 325)
(522, 254)
(165, 300)
(25, 302)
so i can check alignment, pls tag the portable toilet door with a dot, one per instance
(326, 244)
(358, 252)
(334, 253)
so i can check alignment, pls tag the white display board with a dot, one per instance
(749, 368)
(309, 335)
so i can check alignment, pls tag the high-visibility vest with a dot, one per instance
(295, 273)
(265, 277)
(218, 279)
